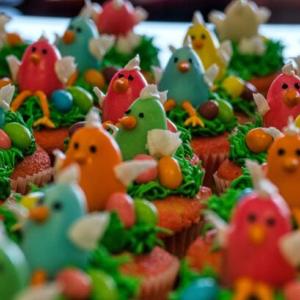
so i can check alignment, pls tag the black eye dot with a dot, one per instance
(78, 29)
(121, 75)
(192, 37)
(281, 152)
(297, 85)
(130, 77)
(33, 49)
(141, 115)
(128, 112)
(76, 145)
(44, 51)
(190, 61)
(298, 152)
(93, 149)
(251, 218)
(175, 60)
(284, 86)
(57, 205)
(203, 36)
(270, 222)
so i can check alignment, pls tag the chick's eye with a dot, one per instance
(33, 49)
(93, 149)
(175, 60)
(270, 222)
(141, 115)
(78, 29)
(130, 77)
(76, 145)
(44, 51)
(190, 61)
(297, 152)
(251, 218)
(281, 152)
(57, 206)
(284, 86)
(203, 36)
(192, 37)
(128, 112)
(297, 85)
(121, 75)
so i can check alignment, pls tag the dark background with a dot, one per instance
(283, 11)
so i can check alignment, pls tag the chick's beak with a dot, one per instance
(35, 58)
(128, 122)
(290, 164)
(197, 44)
(183, 66)
(80, 158)
(257, 234)
(68, 37)
(291, 97)
(39, 214)
(121, 85)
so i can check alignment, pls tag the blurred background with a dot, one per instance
(283, 11)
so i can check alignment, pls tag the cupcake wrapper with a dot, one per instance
(21, 184)
(179, 243)
(221, 184)
(158, 287)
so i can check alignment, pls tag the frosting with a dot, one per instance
(242, 182)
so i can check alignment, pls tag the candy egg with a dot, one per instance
(104, 287)
(146, 212)
(2, 117)
(123, 205)
(201, 289)
(233, 85)
(82, 98)
(75, 127)
(148, 175)
(75, 284)
(19, 134)
(62, 100)
(5, 142)
(95, 78)
(209, 110)
(249, 90)
(258, 140)
(225, 111)
(169, 172)
(171, 126)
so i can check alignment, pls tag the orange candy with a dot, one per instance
(169, 172)
(94, 78)
(258, 141)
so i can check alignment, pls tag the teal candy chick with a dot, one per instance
(145, 114)
(14, 270)
(187, 82)
(49, 243)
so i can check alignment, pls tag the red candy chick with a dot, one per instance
(124, 88)
(283, 99)
(41, 71)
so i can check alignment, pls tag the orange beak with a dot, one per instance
(257, 234)
(4, 81)
(198, 44)
(128, 122)
(290, 164)
(39, 214)
(291, 98)
(35, 58)
(80, 158)
(183, 66)
(68, 37)
(121, 85)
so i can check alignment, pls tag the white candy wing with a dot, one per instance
(64, 68)
(14, 65)
(100, 46)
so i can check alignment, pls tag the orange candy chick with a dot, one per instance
(284, 167)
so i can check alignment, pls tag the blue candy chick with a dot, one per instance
(14, 270)
(51, 240)
(186, 82)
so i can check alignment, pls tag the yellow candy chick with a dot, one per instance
(207, 46)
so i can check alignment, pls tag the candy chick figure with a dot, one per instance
(259, 242)
(40, 72)
(123, 90)
(283, 99)
(56, 234)
(284, 167)
(14, 273)
(82, 41)
(100, 161)
(186, 82)
(207, 46)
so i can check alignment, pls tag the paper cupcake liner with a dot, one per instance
(179, 243)
(221, 184)
(159, 286)
(21, 184)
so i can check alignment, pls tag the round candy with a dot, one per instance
(209, 110)
(249, 90)
(258, 140)
(75, 127)
(123, 205)
(201, 289)
(5, 142)
(146, 212)
(169, 172)
(19, 134)
(62, 100)
(109, 73)
(95, 78)
(225, 111)
(148, 175)
(104, 286)
(82, 98)
(233, 85)
(75, 284)
(2, 117)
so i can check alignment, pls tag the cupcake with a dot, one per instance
(40, 76)
(23, 162)
(127, 43)
(189, 106)
(255, 58)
